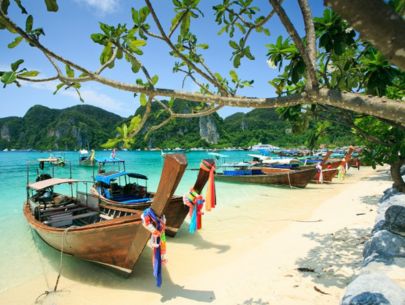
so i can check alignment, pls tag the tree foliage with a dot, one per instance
(328, 75)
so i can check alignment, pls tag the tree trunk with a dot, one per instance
(399, 183)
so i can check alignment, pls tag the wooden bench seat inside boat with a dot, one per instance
(66, 219)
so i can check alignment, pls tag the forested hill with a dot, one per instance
(81, 126)
(85, 126)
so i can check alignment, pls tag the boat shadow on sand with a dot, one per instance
(336, 259)
(89, 273)
(184, 237)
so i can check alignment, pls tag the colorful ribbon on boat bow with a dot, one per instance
(195, 202)
(210, 198)
(156, 225)
(320, 172)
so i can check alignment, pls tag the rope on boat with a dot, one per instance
(55, 289)
(289, 181)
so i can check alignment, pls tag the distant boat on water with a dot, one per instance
(56, 160)
(86, 158)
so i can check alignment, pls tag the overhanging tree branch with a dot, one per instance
(310, 35)
(213, 81)
(297, 40)
(377, 23)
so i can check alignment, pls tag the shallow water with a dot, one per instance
(25, 256)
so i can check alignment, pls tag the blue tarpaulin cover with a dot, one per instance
(106, 178)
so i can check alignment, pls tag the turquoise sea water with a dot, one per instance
(22, 254)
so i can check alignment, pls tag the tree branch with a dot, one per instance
(310, 35)
(297, 40)
(377, 23)
(156, 127)
(185, 59)
(38, 80)
(144, 118)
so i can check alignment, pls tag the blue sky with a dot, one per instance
(68, 33)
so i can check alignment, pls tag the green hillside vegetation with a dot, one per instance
(182, 132)
(237, 130)
(85, 126)
(81, 126)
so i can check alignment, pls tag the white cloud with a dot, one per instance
(102, 6)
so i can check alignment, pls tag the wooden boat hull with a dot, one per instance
(87, 162)
(106, 243)
(299, 178)
(327, 173)
(117, 241)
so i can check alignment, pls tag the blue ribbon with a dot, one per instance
(193, 221)
(157, 261)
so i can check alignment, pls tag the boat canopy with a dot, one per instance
(281, 161)
(110, 160)
(237, 164)
(218, 155)
(43, 184)
(50, 159)
(108, 177)
(260, 157)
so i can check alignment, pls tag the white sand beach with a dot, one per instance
(248, 252)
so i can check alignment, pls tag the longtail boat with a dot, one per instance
(330, 167)
(292, 178)
(79, 226)
(132, 193)
(86, 159)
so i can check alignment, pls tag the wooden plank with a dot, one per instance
(106, 217)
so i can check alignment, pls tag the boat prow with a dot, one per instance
(107, 235)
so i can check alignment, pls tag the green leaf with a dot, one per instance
(8, 78)
(15, 42)
(185, 24)
(134, 44)
(143, 99)
(22, 8)
(143, 13)
(246, 52)
(175, 20)
(134, 124)
(107, 53)
(69, 71)
(4, 6)
(58, 88)
(218, 76)
(105, 28)
(171, 102)
(28, 23)
(51, 5)
(29, 74)
(15, 65)
(233, 45)
(135, 15)
(136, 65)
(236, 61)
(99, 38)
(155, 79)
(233, 75)
(203, 46)
(111, 143)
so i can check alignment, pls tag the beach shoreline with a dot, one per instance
(248, 252)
